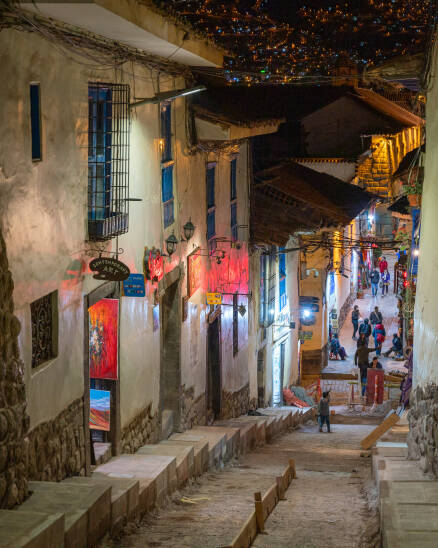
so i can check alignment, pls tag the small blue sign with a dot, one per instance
(133, 286)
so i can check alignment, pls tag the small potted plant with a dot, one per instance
(413, 189)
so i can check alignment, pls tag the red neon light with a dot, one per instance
(155, 267)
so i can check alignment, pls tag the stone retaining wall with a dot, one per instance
(56, 448)
(193, 411)
(235, 403)
(14, 421)
(145, 428)
(423, 427)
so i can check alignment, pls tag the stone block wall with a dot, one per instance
(423, 427)
(14, 421)
(235, 403)
(56, 449)
(193, 411)
(144, 428)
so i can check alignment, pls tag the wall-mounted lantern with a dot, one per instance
(171, 243)
(189, 229)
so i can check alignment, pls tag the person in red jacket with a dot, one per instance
(383, 265)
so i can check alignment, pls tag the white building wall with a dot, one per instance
(43, 210)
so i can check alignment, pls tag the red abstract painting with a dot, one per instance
(103, 321)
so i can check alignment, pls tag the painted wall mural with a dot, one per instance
(103, 321)
(100, 410)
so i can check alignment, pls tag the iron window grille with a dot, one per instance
(44, 321)
(35, 121)
(108, 160)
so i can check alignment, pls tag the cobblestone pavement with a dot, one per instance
(388, 307)
(324, 505)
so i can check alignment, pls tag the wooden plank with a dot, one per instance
(246, 535)
(260, 514)
(269, 500)
(387, 423)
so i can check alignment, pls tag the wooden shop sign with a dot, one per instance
(109, 269)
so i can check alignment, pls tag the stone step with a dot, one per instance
(184, 455)
(252, 432)
(31, 529)
(390, 449)
(414, 522)
(232, 438)
(124, 497)
(156, 476)
(217, 445)
(397, 469)
(166, 424)
(284, 412)
(410, 491)
(200, 449)
(87, 508)
(102, 452)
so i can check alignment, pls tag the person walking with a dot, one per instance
(375, 279)
(355, 320)
(385, 282)
(376, 316)
(365, 328)
(383, 265)
(379, 335)
(361, 360)
(324, 411)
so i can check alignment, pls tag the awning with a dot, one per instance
(401, 205)
(290, 198)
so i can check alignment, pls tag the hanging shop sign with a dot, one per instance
(109, 269)
(194, 272)
(214, 298)
(305, 335)
(153, 264)
(134, 286)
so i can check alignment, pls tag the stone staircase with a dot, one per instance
(408, 498)
(78, 511)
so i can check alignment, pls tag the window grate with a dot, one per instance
(235, 326)
(44, 321)
(108, 160)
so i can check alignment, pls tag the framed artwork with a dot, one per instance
(100, 410)
(194, 272)
(103, 331)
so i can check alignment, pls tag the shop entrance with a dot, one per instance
(214, 373)
(170, 377)
(101, 373)
(278, 373)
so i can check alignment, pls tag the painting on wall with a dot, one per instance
(103, 321)
(194, 272)
(100, 410)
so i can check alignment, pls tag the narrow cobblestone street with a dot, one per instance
(324, 504)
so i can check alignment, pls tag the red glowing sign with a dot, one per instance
(194, 272)
(153, 265)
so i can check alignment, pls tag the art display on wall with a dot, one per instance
(100, 410)
(194, 272)
(103, 322)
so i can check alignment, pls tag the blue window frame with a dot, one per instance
(99, 152)
(233, 198)
(166, 132)
(211, 208)
(233, 173)
(167, 195)
(282, 277)
(35, 121)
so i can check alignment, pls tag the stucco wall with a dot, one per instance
(43, 208)
(426, 302)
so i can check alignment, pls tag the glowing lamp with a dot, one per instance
(416, 252)
(306, 313)
(171, 243)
